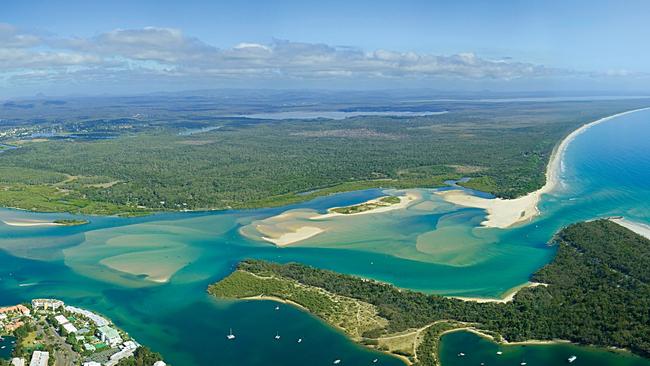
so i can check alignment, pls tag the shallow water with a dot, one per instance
(431, 246)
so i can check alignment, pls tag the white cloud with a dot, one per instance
(167, 53)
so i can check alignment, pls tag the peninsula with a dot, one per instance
(595, 261)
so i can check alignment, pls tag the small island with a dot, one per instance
(49, 332)
(367, 206)
(71, 222)
(600, 273)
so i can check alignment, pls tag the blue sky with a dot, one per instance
(68, 47)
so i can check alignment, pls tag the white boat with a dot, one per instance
(277, 336)
(336, 362)
(230, 335)
(572, 358)
(461, 354)
(299, 340)
(375, 360)
(499, 353)
(523, 364)
(277, 308)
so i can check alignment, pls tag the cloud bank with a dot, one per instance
(168, 55)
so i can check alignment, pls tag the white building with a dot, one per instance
(159, 363)
(39, 358)
(47, 304)
(92, 363)
(68, 327)
(109, 335)
(98, 320)
(17, 361)
(61, 319)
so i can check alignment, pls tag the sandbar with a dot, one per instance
(503, 213)
(300, 234)
(30, 223)
(404, 201)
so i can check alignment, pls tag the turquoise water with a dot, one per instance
(111, 264)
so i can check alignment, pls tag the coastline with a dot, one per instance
(637, 227)
(504, 213)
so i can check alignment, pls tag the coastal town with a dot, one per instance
(49, 332)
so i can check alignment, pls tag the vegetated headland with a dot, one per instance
(597, 292)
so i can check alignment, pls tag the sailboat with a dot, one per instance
(230, 335)
(572, 358)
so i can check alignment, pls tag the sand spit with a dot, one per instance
(30, 223)
(503, 213)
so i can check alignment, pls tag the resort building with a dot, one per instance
(61, 319)
(92, 363)
(17, 361)
(69, 328)
(47, 304)
(109, 335)
(98, 320)
(39, 358)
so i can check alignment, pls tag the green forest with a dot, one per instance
(597, 292)
(126, 165)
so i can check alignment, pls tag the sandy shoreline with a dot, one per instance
(509, 296)
(637, 227)
(503, 213)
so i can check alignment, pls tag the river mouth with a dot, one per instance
(150, 274)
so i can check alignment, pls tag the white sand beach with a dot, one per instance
(510, 295)
(503, 213)
(637, 227)
(300, 234)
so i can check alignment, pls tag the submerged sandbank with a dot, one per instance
(637, 227)
(503, 213)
